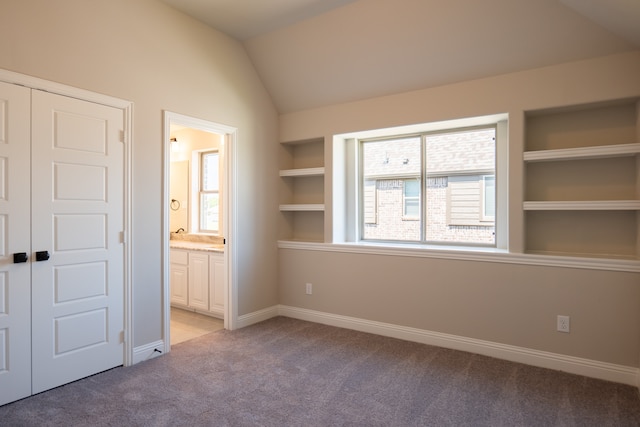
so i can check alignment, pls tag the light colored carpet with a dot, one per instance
(286, 372)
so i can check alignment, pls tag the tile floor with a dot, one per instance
(186, 325)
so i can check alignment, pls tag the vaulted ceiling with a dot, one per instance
(312, 53)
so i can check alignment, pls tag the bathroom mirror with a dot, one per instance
(179, 193)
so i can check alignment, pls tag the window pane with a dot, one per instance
(209, 211)
(457, 163)
(412, 198)
(210, 181)
(489, 197)
(389, 162)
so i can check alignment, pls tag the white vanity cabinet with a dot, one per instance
(216, 284)
(198, 281)
(179, 277)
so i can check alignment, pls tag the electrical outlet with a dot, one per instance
(309, 288)
(563, 324)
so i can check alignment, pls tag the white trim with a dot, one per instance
(468, 254)
(127, 108)
(60, 89)
(575, 365)
(148, 351)
(229, 221)
(128, 237)
(258, 316)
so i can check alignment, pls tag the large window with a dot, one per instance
(433, 187)
(209, 192)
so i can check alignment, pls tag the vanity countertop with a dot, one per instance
(196, 246)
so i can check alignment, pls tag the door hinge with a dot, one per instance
(122, 136)
(121, 337)
(123, 237)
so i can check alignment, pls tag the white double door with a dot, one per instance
(61, 249)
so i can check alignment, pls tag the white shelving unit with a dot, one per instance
(582, 181)
(302, 190)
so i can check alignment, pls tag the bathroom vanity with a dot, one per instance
(197, 276)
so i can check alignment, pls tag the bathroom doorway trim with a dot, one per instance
(229, 212)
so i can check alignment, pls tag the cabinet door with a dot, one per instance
(199, 280)
(217, 284)
(179, 282)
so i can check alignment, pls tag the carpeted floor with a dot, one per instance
(286, 372)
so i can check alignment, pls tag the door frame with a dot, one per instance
(229, 223)
(127, 109)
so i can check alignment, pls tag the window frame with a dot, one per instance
(359, 142)
(202, 192)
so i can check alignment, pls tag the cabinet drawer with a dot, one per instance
(179, 257)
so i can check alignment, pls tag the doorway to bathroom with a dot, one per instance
(198, 228)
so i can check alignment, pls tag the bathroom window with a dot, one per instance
(209, 192)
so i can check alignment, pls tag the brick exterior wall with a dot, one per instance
(392, 225)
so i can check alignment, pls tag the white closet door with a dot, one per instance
(15, 278)
(77, 218)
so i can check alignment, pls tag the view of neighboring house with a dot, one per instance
(446, 178)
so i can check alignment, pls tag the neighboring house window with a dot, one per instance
(442, 182)
(489, 198)
(411, 199)
(209, 192)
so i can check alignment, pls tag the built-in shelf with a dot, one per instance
(302, 190)
(598, 152)
(302, 172)
(592, 205)
(307, 207)
(576, 159)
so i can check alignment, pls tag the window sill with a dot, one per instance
(478, 254)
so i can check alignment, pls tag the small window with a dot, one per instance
(411, 199)
(489, 198)
(209, 192)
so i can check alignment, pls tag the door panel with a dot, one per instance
(199, 280)
(78, 216)
(15, 229)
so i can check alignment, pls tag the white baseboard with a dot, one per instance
(148, 351)
(575, 365)
(257, 316)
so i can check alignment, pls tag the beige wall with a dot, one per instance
(506, 303)
(145, 52)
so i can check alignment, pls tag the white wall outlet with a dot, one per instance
(309, 288)
(563, 324)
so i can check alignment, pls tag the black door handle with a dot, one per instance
(42, 255)
(19, 257)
